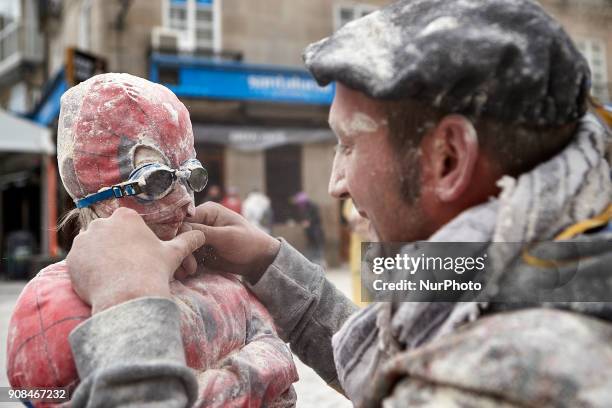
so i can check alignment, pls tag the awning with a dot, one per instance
(258, 138)
(22, 136)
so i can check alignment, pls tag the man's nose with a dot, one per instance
(337, 182)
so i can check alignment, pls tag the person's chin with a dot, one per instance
(165, 231)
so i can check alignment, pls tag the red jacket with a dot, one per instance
(228, 336)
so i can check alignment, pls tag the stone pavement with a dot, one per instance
(311, 390)
(9, 291)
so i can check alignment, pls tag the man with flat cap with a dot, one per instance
(457, 121)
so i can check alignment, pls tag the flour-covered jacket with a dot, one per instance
(472, 354)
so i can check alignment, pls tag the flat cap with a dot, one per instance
(505, 59)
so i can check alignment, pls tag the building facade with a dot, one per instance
(260, 122)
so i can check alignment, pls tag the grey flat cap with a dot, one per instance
(505, 59)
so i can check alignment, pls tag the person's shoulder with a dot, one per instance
(557, 350)
(47, 310)
(51, 289)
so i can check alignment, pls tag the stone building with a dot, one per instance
(259, 120)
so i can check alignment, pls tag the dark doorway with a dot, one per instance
(212, 157)
(283, 179)
(20, 209)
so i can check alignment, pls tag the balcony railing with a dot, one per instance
(19, 44)
(9, 40)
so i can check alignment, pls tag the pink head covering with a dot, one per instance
(103, 122)
(104, 119)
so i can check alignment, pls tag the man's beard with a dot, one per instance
(409, 175)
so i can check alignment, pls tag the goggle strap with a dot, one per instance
(116, 191)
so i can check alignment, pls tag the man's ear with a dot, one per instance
(454, 154)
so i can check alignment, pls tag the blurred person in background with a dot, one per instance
(258, 211)
(309, 217)
(232, 200)
(213, 194)
(457, 121)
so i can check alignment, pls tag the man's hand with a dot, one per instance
(232, 243)
(189, 266)
(119, 258)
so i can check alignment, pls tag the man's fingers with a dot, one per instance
(215, 236)
(190, 265)
(222, 239)
(185, 244)
(180, 273)
(206, 213)
(184, 228)
(212, 261)
(214, 214)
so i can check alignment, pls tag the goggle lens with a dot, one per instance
(157, 183)
(198, 179)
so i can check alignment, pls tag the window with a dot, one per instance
(204, 24)
(178, 15)
(10, 11)
(346, 13)
(18, 101)
(594, 51)
(85, 25)
(196, 21)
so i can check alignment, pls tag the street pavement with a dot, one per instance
(9, 291)
(311, 390)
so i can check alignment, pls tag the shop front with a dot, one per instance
(27, 197)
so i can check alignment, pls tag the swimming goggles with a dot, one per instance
(152, 182)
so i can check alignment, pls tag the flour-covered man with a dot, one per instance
(457, 120)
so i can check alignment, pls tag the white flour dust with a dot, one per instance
(173, 113)
(375, 55)
(440, 24)
(361, 123)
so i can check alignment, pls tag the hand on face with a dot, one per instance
(233, 244)
(119, 258)
(189, 266)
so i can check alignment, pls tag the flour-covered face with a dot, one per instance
(115, 123)
(366, 167)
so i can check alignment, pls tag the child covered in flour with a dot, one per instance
(126, 142)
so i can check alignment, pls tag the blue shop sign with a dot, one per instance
(184, 2)
(48, 108)
(207, 78)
